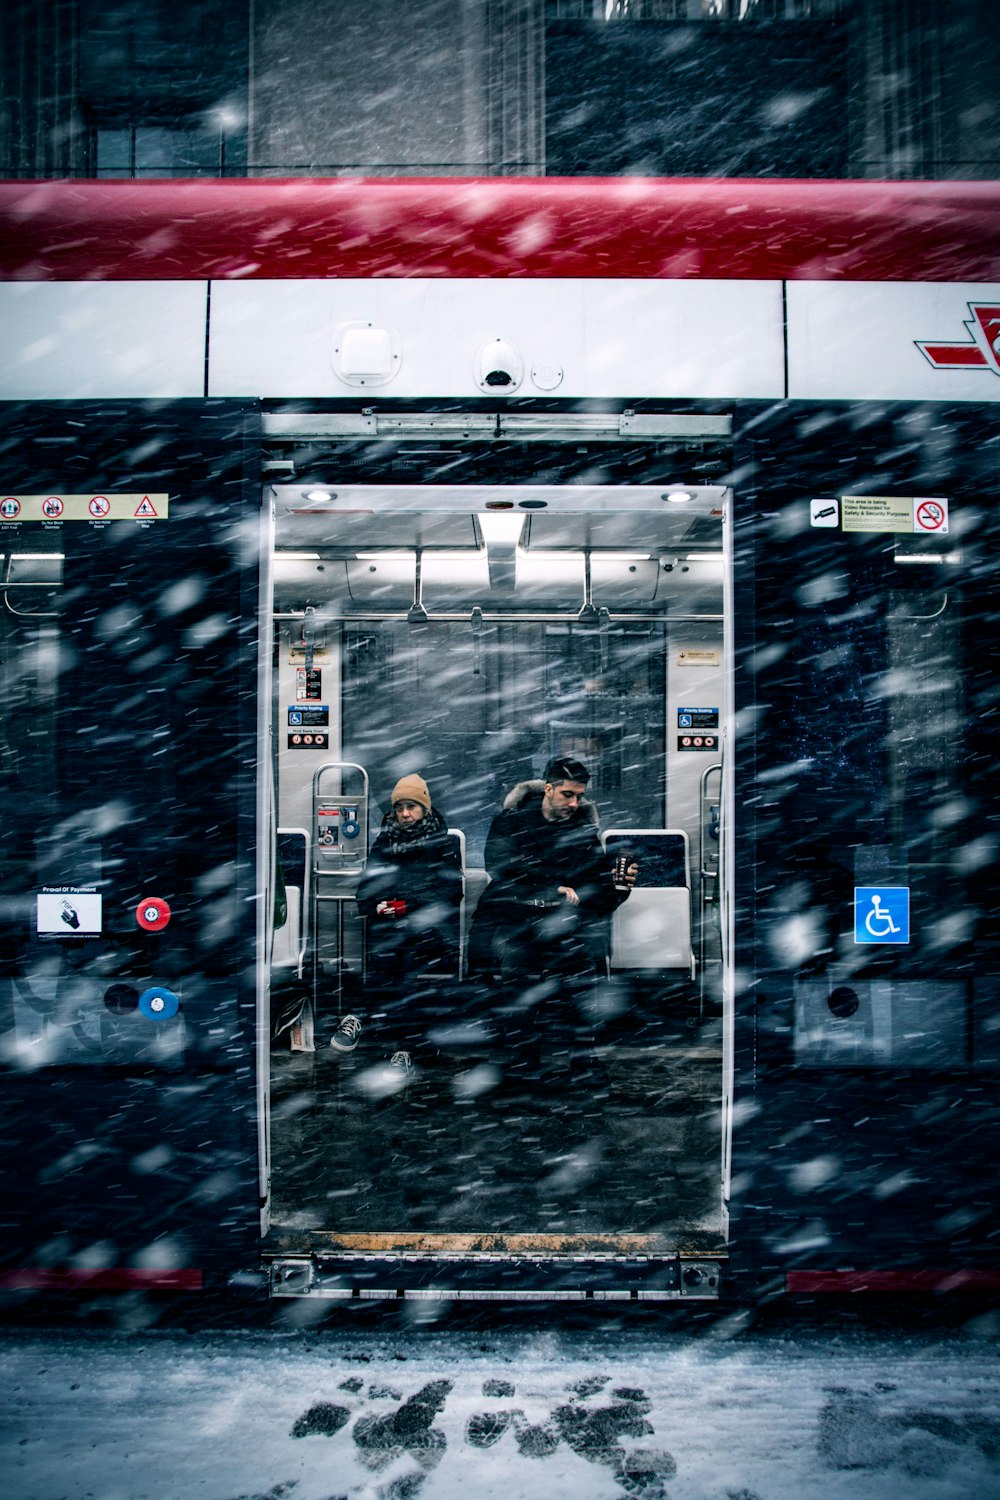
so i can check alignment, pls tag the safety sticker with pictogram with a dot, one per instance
(90, 508)
(930, 514)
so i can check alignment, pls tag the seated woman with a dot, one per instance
(409, 893)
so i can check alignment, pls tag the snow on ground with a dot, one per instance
(446, 1415)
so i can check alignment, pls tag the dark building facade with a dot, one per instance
(768, 88)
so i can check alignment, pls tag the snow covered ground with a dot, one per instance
(603, 1414)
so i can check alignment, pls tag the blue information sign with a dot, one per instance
(881, 914)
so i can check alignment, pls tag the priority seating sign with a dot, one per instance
(882, 914)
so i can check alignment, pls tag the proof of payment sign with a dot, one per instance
(881, 914)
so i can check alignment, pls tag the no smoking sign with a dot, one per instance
(930, 515)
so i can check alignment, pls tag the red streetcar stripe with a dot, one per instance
(955, 1280)
(110, 1279)
(732, 229)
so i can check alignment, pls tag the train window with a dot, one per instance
(158, 151)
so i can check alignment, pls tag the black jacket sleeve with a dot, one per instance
(427, 875)
(593, 884)
(380, 881)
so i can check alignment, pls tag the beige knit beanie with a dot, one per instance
(411, 789)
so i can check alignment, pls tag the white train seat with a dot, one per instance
(290, 940)
(651, 931)
(459, 837)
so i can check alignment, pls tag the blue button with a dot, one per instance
(881, 914)
(158, 1004)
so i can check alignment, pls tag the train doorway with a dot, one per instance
(468, 634)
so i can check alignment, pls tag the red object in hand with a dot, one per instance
(391, 909)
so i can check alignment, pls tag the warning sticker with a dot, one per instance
(151, 507)
(877, 512)
(931, 515)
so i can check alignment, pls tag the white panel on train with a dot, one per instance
(863, 340)
(73, 339)
(686, 339)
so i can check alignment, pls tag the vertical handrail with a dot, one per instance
(356, 868)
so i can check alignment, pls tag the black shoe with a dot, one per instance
(345, 1038)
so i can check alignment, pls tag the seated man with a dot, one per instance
(543, 919)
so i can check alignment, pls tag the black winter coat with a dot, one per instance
(527, 858)
(425, 871)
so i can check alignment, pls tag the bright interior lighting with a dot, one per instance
(317, 496)
(679, 497)
(613, 557)
(460, 565)
(296, 556)
(456, 568)
(37, 556)
(503, 529)
(703, 557)
(927, 557)
(549, 567)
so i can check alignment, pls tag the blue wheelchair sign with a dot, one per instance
(881, 914)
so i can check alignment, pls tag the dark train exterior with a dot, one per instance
(815, 367)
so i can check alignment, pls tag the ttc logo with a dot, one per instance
(983, 353)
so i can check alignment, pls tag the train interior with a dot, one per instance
(442, 611)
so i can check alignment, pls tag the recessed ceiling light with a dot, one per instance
(501, 528)
(677, 497)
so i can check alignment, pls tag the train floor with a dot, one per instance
(623, 1141)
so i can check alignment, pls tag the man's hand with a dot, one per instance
(631, 875)
(571, 897)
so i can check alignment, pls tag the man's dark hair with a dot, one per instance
(564, 768)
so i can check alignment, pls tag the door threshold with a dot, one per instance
(447, 1268)
(285, 1239)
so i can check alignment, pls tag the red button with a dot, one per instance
(152, 913)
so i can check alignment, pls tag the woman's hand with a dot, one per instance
(391, 909)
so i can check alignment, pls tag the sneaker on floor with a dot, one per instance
(400, 1065)
(345, 1038)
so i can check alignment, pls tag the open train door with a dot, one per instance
(469, 632)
